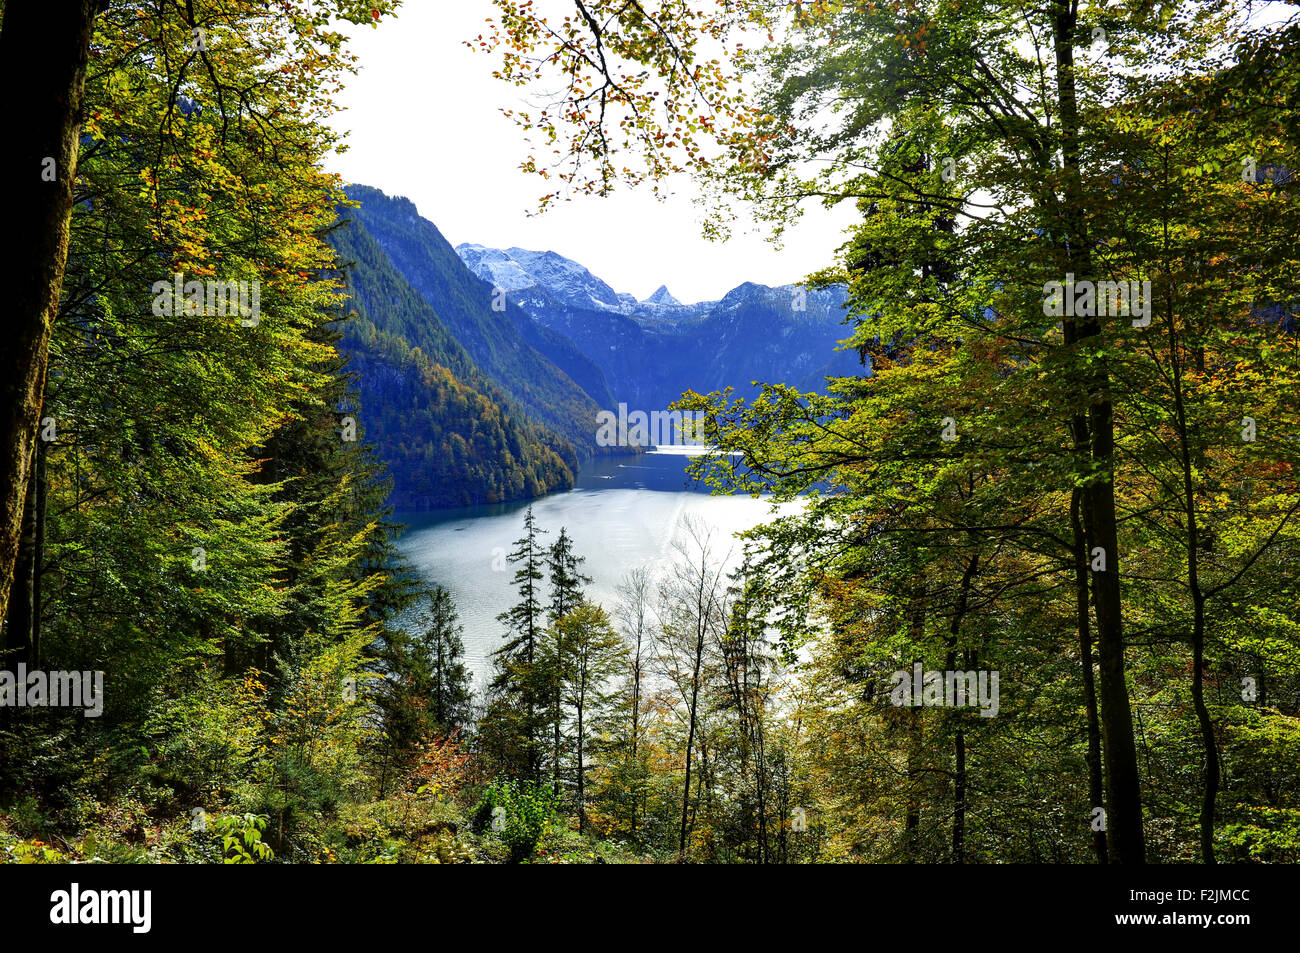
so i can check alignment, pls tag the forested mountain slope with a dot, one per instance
(536, 367)
(447, 434)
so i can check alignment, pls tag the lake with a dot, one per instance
(621, 514)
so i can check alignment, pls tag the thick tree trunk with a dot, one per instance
(44, 45)
(1125, 837)
(23, 627)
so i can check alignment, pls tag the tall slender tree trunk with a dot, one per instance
(959, 797)
(760, 775)
(636, 728)
(1096, 791)
(582, 789)
(959, 736)
(1126, 839)
(555, 715)
(690, 734)
(782, 807)
(1210, 789)
(534, 743)
(912, 804)
(44, 45)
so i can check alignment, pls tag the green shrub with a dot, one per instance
(517, 812)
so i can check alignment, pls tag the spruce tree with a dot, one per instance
(450, 695)
(513, 729)
(566, 596)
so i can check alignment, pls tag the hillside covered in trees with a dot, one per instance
(496, 338)
(446, 434)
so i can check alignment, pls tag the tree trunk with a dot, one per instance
(959, 738)
(555, 715)
(23, 627)
(1211, 784)
(912, 716)
(636, 728)
(760, 775)
(582, 789)
(1125, 840)
(44, 45)
(1210, 794)
(690, 737)
(1096, 795)
(959, 799)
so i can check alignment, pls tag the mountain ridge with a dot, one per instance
(753, 333)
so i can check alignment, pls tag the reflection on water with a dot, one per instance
(621, 514)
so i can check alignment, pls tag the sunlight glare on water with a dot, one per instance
(621, 515)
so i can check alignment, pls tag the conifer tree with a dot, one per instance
(516, 719)
(566, 595)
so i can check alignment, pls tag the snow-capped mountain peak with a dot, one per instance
(662, 298)
(518, 269)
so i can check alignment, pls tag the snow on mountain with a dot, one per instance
(553, 289)
(569, 284)
(755, 332)
(662, 299)
(519, 269)
(495, 266)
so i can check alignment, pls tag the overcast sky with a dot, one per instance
(423, 121)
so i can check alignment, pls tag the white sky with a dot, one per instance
(424, 122)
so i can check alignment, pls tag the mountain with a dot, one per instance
(481, 371)
(446, 433)
(662, 298)
(652, 351)
(568, 283)
(515, 269)
(543, 372)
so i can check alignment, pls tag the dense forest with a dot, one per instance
(1034, 596)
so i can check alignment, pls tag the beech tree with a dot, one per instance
(44, 48)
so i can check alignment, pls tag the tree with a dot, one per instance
(747, 695)
(953, 317)
(633, 613)
(450, 695)
(692, 617)
(594, 659)
(516, 724)
(566, 595)
(44, 48)
(210, 533)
